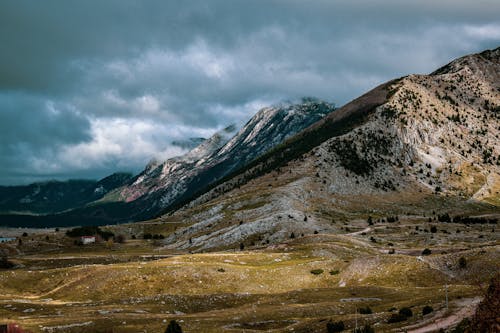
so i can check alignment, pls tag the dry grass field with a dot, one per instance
(295, 286)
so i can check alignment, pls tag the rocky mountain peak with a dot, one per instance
(163, 184)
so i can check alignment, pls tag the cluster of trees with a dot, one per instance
(390, 219)
(153, 236)
(402, 315)
(474, 220)
(466, 219)
(90, 231)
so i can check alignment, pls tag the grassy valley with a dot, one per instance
(297, 285)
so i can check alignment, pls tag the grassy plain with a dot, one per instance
(138, 286)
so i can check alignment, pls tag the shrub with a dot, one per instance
(406, 312)
(173, 327)
(462, 263)
(433, 229)
(333, 327)
(334, 272)
(5, 263)
(120, 239)
(444, 218)
(317, 271)
(396, 318)
(242, 246)
(426, 252)
(365, 310)
(427, 309)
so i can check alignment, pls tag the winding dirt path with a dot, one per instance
(466, 309)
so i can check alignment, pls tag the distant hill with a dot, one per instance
(57, 196)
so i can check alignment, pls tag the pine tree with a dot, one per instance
(173, 327)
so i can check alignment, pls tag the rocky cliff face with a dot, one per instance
(414, 145)
(164, 184)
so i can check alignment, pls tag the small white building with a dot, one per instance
(87, 239)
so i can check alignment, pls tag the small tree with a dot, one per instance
(242, 246)
(173, 327)
(5, 263)
(396, 318)
(427, 309)
(317, 271)
(406, 312)
(120, 239)
(365, 310)
(462, 263)
(426, 252)
(292, 235)
(433, 229)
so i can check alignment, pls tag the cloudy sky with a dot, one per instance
(92, 87)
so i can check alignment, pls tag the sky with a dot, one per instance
(88, 88)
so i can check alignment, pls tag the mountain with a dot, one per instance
(166, 184)
(56, 196)
(423, 145)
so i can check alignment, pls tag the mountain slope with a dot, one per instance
(162, 185)
(414, 145)
(57, 196)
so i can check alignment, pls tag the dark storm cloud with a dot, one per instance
(89, 87)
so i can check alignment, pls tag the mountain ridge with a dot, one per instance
(55, 196)
(167, 183)
(416, 144)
